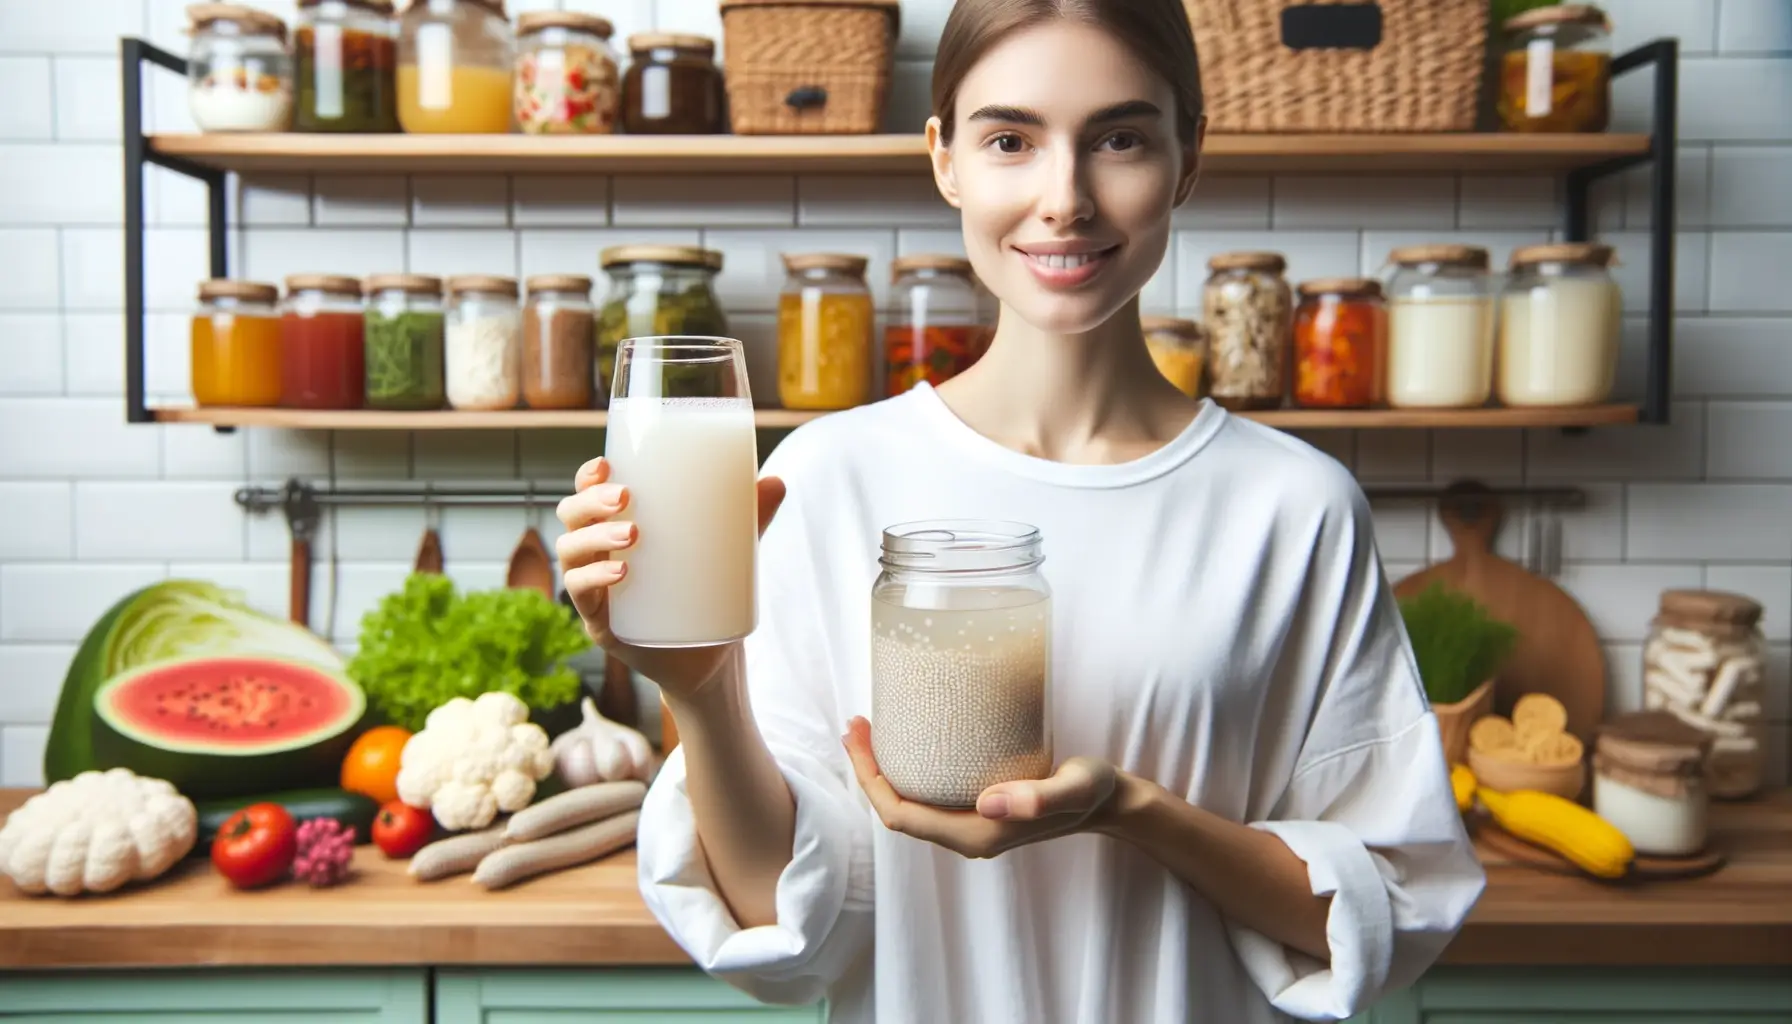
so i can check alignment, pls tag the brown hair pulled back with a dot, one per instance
(1157, 30)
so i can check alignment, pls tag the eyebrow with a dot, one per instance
(1021, 115)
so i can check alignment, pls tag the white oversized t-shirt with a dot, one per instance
(1221, 625)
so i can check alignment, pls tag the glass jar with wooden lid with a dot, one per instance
(405, 337)
(1340, 337)
(345, 57)
(1556, 70)
(656, 291)
(1705, 661)
(567, 78)
(1179, 348)
(559, 342)
(1440, 327)
(484, 343)
(1559, 326)
(939, 327)
(455, 59)
(322, 354)
(826, 333)
(239, 75)
(234, 341)
(1648, 769)
(672, 86)
(1248, 310)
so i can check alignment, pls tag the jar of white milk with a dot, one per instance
(1559, 326)
(1440, 327)
(960, 659)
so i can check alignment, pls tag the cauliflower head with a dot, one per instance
(474, 758)
(96, 832)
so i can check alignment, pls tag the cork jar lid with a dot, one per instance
(483, 284)
(679, 255)
(1718, 606)
(334, 284)
(1652, 742)
(1170, 325)
(944, 262)
(577, 21)
(1349, 287)
(1558, 14)
(415, 284)
(1448, 255)
(249, 19)
(1274, 262)
(1591, 254)
(558, 283)
(845, 263)
(248, 291)
(685, 41)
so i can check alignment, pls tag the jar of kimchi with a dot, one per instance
(940, 326)
(1340, 338)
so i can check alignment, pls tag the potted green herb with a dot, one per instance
(1459, 648)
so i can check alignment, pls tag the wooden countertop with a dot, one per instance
(594, 915)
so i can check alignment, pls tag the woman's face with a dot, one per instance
(1065, 165)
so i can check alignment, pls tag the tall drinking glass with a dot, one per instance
(681, 439)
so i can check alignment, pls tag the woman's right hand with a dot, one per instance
(585, 551)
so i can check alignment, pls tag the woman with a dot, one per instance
(1254, 817)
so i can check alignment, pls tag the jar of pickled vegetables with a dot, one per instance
(1440, 327)
(1340, 336)
(672, 86)
(239, 77)
(1556, 70)
(322, 352)
(235, 344)
(656, 290)
(405, 338)
(484, 343)
(566, 75)
(825, 338)
(559, 342)
(454, 65)
(940, 327)
(1179, 348)
(1559, 326)
(1248, 310)
(345, 57)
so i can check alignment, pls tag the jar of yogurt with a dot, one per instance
(239, 72)
(1559, 326)
(1440, 327)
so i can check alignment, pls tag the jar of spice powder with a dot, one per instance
(1647, 768)
(484, 343)
(322, 352)
(1248, 310)
(559, 342)
(1340, 337)
(672, 86)
(405, 337)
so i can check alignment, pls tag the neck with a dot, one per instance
(1094, 397)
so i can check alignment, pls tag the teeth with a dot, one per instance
(1065, 261)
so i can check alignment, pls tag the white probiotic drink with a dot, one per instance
(690, 466)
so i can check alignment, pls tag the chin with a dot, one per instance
(1057, 314)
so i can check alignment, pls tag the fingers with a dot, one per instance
(594, 472)
(884, 798)
(594, 504)
(1079, 786)
(771, 496)
(588, 586)
(592, 543)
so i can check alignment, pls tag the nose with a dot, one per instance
(1064, 196)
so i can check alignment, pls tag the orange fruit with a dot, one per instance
(371, 765)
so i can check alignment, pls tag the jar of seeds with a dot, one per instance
(1248, 310)
(961, 623)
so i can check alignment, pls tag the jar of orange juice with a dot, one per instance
(235, 344)
(454, 67)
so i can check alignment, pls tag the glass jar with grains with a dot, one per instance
(239, 77)
(235, 343)
(566, 75)
(1248, 310)
(672, 86)
(1556, 70)
(1179, 348)
(484, 349)
(1440, 327)
(559, 342)
(825, 337)
(961, 641)
(322, 357)
(1705, 662)
(1340, 337)
(405, 328)
(345, 53)
(454, 65)
(1560, 317)
(656, 291)
(940, 326)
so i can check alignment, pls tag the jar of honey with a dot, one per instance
(940, 328)
(323, 361)
(672, 86)
(454, 67)
(235, 342)
(825, 338)
(1556, 70)
(1340, 338)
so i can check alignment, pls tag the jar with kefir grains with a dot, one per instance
(485, 343)
(1705, 663)
(1340, 333)
(1556, 70)
(1647, 781)
(1248, 310)
(1560, 316)
(1440, 327)
(239, 74)
(1179, 348)
(961, 629)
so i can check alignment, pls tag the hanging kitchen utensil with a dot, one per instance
(429, 552)
(1558, 651)
(531, 565)
(301, 521)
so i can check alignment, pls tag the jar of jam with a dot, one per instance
(235, 341)
(559, 342)
(825, 332)
(1179, 348)
(567, 82)
(454, 64)
(322, 354)
(1248, 310)
(1556, 70)
(1340, 336)
(345, 58)
(405, 336)
(940, 328)
(672, 86)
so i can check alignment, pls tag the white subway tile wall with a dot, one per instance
(91, 508)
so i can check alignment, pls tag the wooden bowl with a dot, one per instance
(1504, 775)
(1454, 720)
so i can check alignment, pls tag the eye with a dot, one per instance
(1123, 141)
(1007, 142)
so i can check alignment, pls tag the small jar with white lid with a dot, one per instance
(1647, 781)
(239, 72)
(1440, 327)
(1560, 317)
(484, 343)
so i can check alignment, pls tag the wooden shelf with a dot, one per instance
(860, 154)
(1290, 419)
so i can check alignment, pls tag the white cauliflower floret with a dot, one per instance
(96, 832)
(473, 759)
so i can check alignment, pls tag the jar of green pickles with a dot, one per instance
(403, 334)
(656, 291)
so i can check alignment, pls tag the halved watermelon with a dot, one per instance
(228, 725)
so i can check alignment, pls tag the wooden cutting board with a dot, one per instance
(1495, 846)
(1558, 652)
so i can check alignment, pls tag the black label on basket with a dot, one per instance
(1331, 27)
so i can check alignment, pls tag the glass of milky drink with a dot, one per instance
(681, 439)
(960, 659)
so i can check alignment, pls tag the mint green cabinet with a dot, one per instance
(672, 995)
(1587, 995)
(216, 996)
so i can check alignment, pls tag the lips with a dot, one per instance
(1066, 264)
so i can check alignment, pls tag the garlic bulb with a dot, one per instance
(599, 750)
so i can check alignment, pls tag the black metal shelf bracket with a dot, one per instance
(133, 53)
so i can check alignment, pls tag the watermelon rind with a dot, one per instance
(204, 770)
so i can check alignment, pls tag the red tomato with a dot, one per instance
(256, 845)
(401, 830)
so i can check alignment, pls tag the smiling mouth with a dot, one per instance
(1065, 260)
(1068, 269)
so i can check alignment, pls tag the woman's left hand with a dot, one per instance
(1007, 815)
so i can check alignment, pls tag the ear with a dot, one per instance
(1191, 162)
(945, 177)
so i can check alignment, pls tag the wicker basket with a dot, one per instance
(808, 67)
(1340, 65)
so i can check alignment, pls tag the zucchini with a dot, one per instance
(352, 809)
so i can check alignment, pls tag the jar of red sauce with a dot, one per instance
(321, 355)
(1340, 342)
(942, 325)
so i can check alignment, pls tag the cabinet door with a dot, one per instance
(215, 996)
(670, 995)
(1602, 996)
